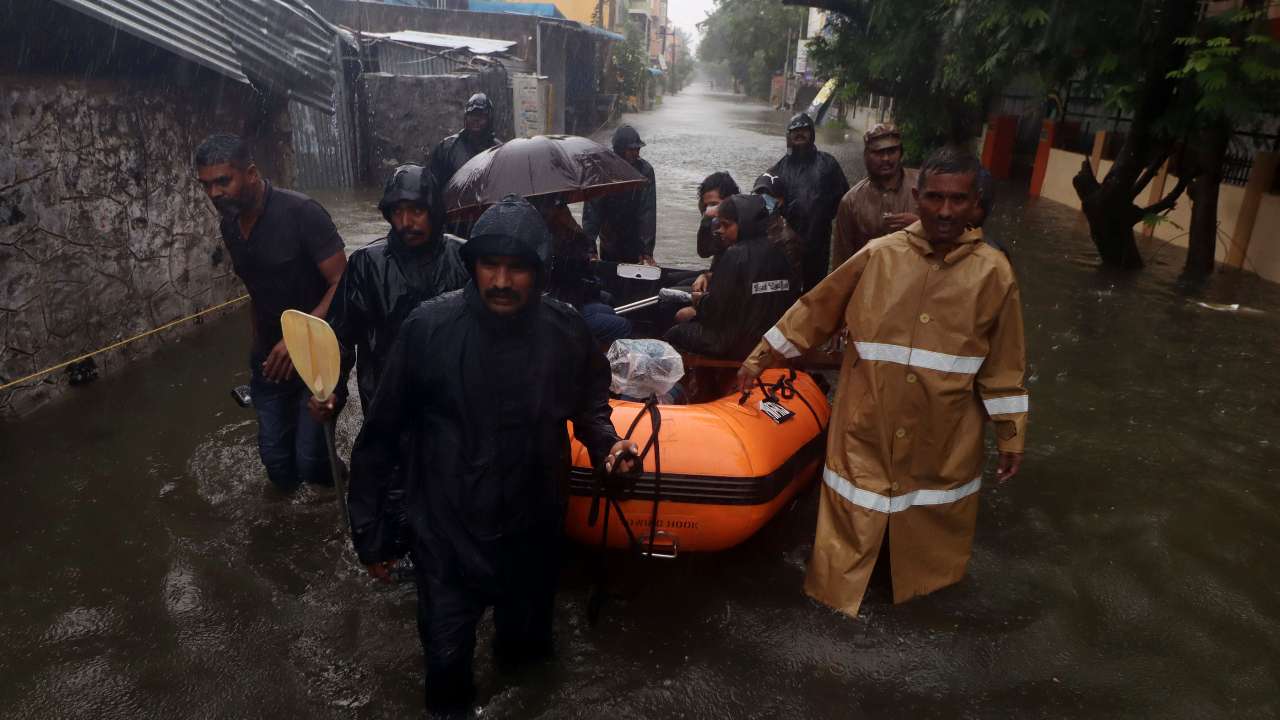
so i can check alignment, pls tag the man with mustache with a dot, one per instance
(934, 318)
(881, 203)
(285, 249)
(483, 381)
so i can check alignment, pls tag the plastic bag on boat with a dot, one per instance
(642, 367)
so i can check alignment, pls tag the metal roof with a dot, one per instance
(478, 46)
(278, 46)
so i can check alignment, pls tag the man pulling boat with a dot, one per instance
(934, 318)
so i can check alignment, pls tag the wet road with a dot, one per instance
(148, 571)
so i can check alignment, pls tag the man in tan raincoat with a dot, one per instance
(881, 203)
(935, 327)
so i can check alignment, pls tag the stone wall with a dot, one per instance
(104, 232)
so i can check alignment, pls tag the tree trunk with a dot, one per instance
(1109, 205)
(1202, 241)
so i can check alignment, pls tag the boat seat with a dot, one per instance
(692, 360)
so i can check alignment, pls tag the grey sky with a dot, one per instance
(687, 13)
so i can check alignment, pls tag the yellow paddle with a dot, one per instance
(313, 348)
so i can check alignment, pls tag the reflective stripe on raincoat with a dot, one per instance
(936, 348)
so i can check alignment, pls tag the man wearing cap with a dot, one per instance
(773, 190)
(816, 183)
(626, 222)
(483, 381)
(475, 137)
(881, 203)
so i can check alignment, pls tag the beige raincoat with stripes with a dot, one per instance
(935, 350)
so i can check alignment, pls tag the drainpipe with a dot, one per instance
(539, 49)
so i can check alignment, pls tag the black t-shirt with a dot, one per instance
(279, 262)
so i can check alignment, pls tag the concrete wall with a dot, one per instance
(104, 231)
(1264, 250)
(406, 111)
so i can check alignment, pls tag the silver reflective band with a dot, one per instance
(779, 342)
(915, 357)
(1007, 405)
(897, 503)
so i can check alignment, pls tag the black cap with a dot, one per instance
(479, 103)
(772, 184)
(801, 121)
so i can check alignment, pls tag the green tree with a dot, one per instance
(750, 37)
(631, 62)
(1183, 79)
(682, 71)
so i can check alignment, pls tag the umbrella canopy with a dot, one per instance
(574, 167)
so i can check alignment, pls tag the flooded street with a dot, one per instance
(148, 570)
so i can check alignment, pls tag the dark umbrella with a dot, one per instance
(574, 167)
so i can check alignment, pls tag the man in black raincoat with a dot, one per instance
(815, 183)
(750, 289)
(626, 222)
(386, 279)
(475, 137)
(484, 380)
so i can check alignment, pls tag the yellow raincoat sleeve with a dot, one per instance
(1000, 380)
(815, 317)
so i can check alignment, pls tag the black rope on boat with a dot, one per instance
(607, 487)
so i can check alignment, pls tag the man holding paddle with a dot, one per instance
(285, 249)
(934, 318)
(483, 381)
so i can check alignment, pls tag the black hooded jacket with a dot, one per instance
(752, 286)
(815, 183)
(485, 400)
(455, 150)
(386, 279)
(625, 222)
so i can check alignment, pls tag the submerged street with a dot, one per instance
(150, 571)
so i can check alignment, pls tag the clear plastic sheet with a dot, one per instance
(643, 367)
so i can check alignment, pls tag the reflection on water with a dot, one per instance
(149, 570)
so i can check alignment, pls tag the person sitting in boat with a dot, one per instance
(749, 290)
(571, 279)
(934, 317)
(483, 381)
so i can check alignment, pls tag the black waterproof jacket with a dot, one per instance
(466, 487)
(751, 288)
(815, 183)
(484, 400)
(455, 150)
(384, 282)
(625, 222)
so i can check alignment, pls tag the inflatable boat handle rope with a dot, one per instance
(610, 498)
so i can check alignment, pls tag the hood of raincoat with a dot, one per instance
(412, 183)
(751, 214)
(626, 138)
(511, 227)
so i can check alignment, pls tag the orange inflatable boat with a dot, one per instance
(726, 469)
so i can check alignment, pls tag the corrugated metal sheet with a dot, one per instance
(399, 59)
(194, 29)
(285, 48)
(479, 46)
(279, 46)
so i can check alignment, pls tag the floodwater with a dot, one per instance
(148, 570)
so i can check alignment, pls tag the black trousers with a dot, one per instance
(522, 595)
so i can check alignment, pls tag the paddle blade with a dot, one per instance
(313, 348)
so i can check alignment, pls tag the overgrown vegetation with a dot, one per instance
(1186, 81)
